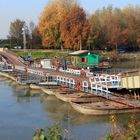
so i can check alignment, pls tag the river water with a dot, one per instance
(22, 111)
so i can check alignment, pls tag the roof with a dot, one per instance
(79, 52)
(45, 59)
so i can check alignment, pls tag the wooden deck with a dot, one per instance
(131, 79)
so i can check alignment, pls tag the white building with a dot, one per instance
(46, 63)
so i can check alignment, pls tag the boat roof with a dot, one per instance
(79, 52)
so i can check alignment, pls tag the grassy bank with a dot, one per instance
(130, 56)
(113, 56)
(42, 54)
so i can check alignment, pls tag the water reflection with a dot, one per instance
(59, 110)
(23, 93)
(27, 109)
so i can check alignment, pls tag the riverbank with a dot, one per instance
(7, 76)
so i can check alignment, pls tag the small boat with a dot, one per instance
(21, 83)
(7, 76)
(50, 91)
(102, 108)
(67, 97)
(34, 92)
(76, 97)
(34, 86)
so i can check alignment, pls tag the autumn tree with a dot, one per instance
(114, 27)
(101, 25)
(36, 38)
(16, 30)
(97, 37)
(50, 20)
(75, 28)
(131, 25)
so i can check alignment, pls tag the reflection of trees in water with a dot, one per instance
(23, 96)
(27, 94)
(6, 80)
(22, 92)
(123, 119)
(69, 118)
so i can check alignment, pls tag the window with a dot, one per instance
(75, 60)
(83, 59)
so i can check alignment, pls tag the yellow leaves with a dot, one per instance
(51, 18)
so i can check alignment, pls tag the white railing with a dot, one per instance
(70, 71)
(111, 81)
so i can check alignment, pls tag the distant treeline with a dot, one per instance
(65, 25)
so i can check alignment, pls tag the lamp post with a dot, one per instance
(24, 38)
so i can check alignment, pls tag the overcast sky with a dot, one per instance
(30, 10)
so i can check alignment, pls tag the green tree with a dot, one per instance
(16, 30)
(36, 39)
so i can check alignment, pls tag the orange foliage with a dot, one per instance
(74, 28)
(50, 20)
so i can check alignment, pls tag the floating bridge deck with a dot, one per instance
(97, 84)
(131, 79)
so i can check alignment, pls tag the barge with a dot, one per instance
(103, 108)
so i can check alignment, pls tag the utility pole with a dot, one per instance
(24, 38)
(80, 43)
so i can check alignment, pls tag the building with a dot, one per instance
(84, 58)
(46, 63)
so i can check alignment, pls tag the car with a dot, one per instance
(121, 51)
(17, 47)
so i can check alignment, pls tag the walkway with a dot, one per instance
(80, 80)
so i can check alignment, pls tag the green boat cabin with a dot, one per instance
(84, 58)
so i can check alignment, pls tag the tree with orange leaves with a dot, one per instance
(50, 20)
(75, 28)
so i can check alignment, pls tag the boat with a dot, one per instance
(102, 108)
(67, 97)
(34, 86)
(75, 96)
(34, 92)
(50, 91)
(88, 98)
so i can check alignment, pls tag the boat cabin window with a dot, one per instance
(83, 59)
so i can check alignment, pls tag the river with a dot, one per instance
(22, 111)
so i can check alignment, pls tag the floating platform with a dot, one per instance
(102, 108)
(35, 86)
(50, 91)
(48, 84)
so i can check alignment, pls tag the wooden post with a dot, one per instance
(135, 96)
(138, 95)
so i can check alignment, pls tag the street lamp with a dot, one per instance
(24, 38)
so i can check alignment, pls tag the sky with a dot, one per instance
(30, 10)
